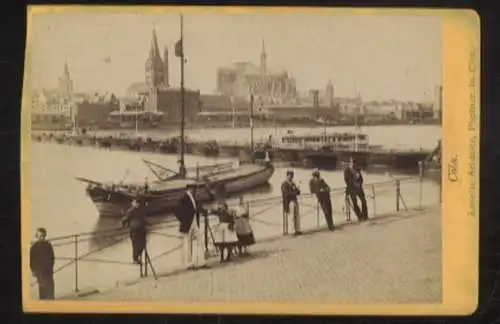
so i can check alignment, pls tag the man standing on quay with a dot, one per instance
(354, 188)
(290, 192)
(42, 264)
(188, 213)
(321, 189)
(136, 221)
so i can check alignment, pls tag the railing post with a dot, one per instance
(347, 207)
(141, 267)
(285, 221)
(317, 213)
(421, 179)
(75, 238)
(205, 216)
(374, 201)
(398, 194)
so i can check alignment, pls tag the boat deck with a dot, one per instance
(235, 172)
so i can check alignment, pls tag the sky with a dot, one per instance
(379, 56)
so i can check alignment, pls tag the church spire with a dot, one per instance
(66, 69)
(263, 54)
(263, 61)
(154, 50)
(65, 82)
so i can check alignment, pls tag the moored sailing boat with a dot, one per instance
(161, 196)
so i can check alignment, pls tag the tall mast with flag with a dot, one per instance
(179, 52)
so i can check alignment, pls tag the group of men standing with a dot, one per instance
(317, 185)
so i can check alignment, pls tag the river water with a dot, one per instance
(58, 202)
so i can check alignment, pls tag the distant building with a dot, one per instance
(242, 79)
(95, 112)
(438, 102)
(417, 112)
(53, 108)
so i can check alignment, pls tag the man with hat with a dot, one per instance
(321, 189)
(188, 213)
(290, 192)
(136, 221)
(354, 189)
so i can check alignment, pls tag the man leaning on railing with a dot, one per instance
(354, 189)
(321, 189)
(42, 264)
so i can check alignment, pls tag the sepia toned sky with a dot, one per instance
(382, 56)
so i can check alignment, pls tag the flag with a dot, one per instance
(179, 51)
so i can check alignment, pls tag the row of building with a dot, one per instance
(156, 102)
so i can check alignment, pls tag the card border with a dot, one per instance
(460, 180)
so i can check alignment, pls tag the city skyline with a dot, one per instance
(381, 57)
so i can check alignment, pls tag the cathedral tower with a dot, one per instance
(155, 69)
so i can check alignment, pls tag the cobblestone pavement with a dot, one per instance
(391, 259)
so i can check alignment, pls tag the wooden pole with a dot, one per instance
(421, 179)
(182, 123)
(398, 194)
(374, 201)
(251, 125)
(75, 238)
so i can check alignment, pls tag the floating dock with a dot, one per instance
(375, 157)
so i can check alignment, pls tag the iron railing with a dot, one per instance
(381, 194)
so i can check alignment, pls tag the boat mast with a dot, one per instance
(182, 167)
(136, 119)
(251, 124)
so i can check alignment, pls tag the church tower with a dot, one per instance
(65, 83)
(165, 67)
(154, 65)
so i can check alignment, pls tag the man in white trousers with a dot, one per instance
(188, 213)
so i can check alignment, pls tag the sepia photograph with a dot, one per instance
(238, 156)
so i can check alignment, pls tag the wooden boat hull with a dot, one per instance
(113, 203)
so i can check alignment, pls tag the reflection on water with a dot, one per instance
(103, 235)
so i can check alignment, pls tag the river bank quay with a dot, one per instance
(88, 262)
(393, 258)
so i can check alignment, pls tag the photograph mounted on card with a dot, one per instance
(250, 160)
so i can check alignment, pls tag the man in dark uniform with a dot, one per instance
(354, 188)
(321, 189)
(136, 221)
(42, 264)
(290, 192)
(188, 213)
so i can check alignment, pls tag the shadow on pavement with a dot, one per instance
(387, 219)
(236, 261)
